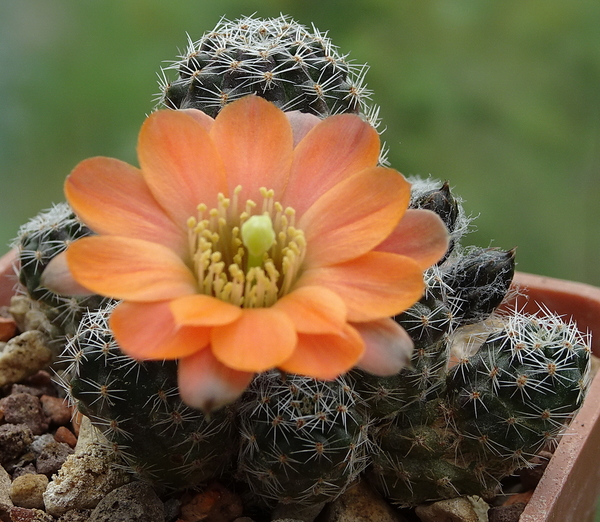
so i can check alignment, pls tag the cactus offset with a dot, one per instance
(132, 401)
(491, 414)
(39, 241)
(303, 440)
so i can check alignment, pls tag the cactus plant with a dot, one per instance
(493, 411)
(431, 431)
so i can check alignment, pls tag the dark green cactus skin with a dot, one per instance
(442, 202)
(419, 459)
(138, 408)
(490, 415)
(427, 322)
(514, 395)
(277, 59)
(39, 241)
(303, 441)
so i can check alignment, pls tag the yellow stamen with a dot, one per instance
(247, 254)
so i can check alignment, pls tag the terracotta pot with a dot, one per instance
(570, 486)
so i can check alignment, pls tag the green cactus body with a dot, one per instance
(137, 407)
(490, 415)
(303, 441)
(427, 322)
(275, 58)
(39, 241)
(417, 458)
(515, 394)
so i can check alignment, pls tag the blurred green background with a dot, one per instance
(500, 97)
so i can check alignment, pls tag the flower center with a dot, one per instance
(249, 258)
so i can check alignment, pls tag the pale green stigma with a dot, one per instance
(258, 237)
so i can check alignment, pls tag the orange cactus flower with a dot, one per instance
(256, 240)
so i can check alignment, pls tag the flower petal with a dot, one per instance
(58, 278)
(387, 347)
(334, 149)
(301, 123)
(207, 384)
(259, 340)
(203, 310)
(420, 235)
(131, 269)
(180, 164)
(373, 286)
(325, 356)
(314, 310)
(201, 117)
(353, 217)
(111, 197)
(148, 331)
(255, 140)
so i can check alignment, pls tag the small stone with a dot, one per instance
(84, 479)
(19, 514)
(28, 316)
(360, 503)
(27, 491)
(460, 509)
(75, 515)
(135, 502)
(215, 504)
(43, 381)
(8, 328)
(23, 356)
(510, 513)
(89, 435)
(172, 508)
(64, 434)
(519, 498)
(5, 502)
(56, 409)
(14, 441)
(24, 388)
(22, 408)
(50, 454)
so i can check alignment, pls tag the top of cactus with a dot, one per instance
(277, 58)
